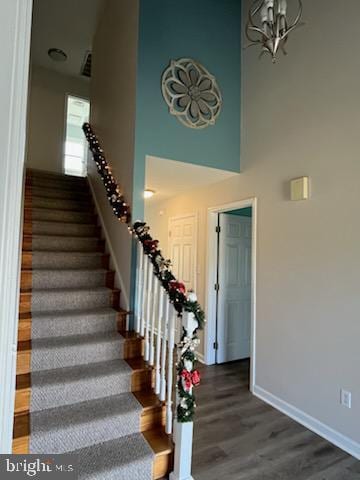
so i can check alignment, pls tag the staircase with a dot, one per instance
(82, 384)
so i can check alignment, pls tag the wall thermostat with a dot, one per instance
(299, 188)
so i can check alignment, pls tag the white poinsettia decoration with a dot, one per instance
(191, 93)
(188, 365)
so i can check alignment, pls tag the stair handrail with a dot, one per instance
(169, 302)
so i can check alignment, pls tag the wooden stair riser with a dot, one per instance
(24, 328)
(163, 448)
(25, 302)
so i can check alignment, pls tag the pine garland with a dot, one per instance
(116, 199)
(187, 375)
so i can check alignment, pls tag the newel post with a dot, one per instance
(185, 403)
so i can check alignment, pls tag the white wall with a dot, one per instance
(113, 99)
(47, 110)
(301, 117)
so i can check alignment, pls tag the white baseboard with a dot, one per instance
(119, 281)
(200, 357)
(337, 438)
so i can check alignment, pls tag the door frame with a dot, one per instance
(17, 16)
(195, 215)
(211, 275)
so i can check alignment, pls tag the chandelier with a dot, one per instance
(274, 28)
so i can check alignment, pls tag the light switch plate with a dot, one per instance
(299, 188)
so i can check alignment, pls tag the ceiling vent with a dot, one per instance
(86, 66)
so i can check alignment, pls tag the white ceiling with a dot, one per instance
(69, 25)
(170, 178)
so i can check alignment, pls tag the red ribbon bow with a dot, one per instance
(174, 285)
(151, 245)
(191, 378)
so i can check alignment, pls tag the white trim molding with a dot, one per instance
(15, 30)
(210, 305)
(119, 280)
(334, 437)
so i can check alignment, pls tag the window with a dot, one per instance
(77, 112)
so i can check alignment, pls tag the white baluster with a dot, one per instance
(139, 286)
(163, 349)
(158, 341)
(171, 333)
(150, 278)
(144, 296)
(155, 300)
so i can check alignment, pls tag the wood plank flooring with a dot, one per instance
(239, 437)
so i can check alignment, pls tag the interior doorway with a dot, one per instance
(233, 319)
(77, 113)
(231, 296)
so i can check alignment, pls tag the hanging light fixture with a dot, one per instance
(274, 28)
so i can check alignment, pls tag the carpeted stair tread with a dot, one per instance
(67, 229)
(35, 172)
(65, 386)
(125, 458)
(61, 204)
(72, 427)
(69, 298)
(76, 340)
(55, 324)
(58, 184)
(61, 215)
(68, 278)
(46, 259)
(60, 352)
(63, 243)
(58, 193)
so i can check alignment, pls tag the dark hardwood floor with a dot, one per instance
(239, 437)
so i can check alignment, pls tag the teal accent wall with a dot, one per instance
(242, 212)
(210, 32)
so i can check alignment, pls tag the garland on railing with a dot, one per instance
(187, 375)
(120, 207)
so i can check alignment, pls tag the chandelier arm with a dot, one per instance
(257, 29)
(253, 44)
(252, 40)
(296, 22)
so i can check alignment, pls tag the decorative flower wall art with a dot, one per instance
(191, 93)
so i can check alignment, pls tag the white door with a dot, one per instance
(234, 295)
(182, 249)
